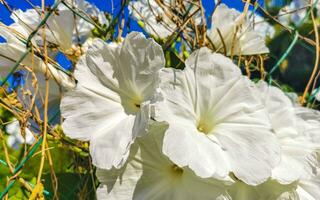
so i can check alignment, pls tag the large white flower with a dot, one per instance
(234, 39)
(149, 174)
(109, 106)
(217, 125)
(15, 138)
(297, 140)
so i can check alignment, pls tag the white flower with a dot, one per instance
(14, 48)
(261, 26)
(156, 21)
(61, 37)
(216, 123)
(297, 129)
(64, 29)
(149, 174)
(110, 105)
(295, 12)
(83, 28)
(298, 141)
(234, 39)
(299, 14)
(15, 138)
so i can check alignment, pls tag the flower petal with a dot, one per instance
(149, 174)
(88, 105)
(185, 146)
(110, 145)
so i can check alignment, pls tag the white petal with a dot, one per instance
(204, 62)
(89, 105)
(15, 139)
(13, 128)
(280, 108)
(269, 190)
(149, 175)
(110, 145)
(309, 189)
(263, 28)
(13, 142)
(143, 59)
(185, 146)
(251, 148)
(13, 49)
(29, 139)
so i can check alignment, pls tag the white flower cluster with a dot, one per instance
(205, 132)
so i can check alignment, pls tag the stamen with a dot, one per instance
(177, 171)
(137, 105)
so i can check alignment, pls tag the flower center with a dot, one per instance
(204, 126)
(74, 53)
(176, 171)
(132, 106)
(137, 105)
